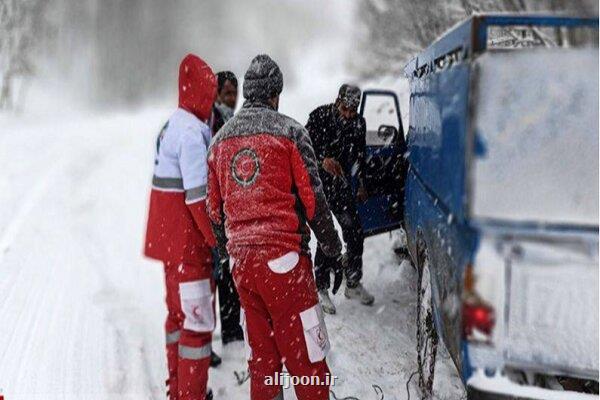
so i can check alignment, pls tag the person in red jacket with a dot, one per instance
(263, 189)
(179, 232)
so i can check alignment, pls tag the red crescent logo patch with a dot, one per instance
(245, 167)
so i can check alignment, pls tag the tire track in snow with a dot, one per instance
(28, 319)
(129, 342)
(39, 189)
(130, 356)
(8, 238)
(30, 290)
(54, 336)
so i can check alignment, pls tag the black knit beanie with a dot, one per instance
(263, 80)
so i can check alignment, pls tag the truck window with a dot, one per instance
(380, 112)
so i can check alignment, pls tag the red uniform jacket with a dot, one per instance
(264, 186)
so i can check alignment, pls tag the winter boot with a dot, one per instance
(238, 335)
(326, 303)
(360, 293)
(215, 360)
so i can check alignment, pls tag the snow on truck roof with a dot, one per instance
(471, 36)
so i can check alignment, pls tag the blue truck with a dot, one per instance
(495, 183)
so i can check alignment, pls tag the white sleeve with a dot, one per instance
(193, 164)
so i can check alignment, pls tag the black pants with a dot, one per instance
(343, 205)
(229, 305)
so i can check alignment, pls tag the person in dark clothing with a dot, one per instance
(229, 301)
(227, 93)
(338, 137)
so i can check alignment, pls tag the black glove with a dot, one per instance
(338, 273)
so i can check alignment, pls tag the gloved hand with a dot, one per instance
(332, 166)
(361, 194)
(338, 272)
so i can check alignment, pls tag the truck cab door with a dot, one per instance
(385, 163)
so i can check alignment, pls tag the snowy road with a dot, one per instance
(82, 312)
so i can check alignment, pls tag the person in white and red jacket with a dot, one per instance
(179, 232)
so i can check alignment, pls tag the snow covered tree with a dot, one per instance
(117, 53)
(22, 23)
(393, 31)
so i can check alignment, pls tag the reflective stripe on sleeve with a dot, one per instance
(195, 353)
(167, 183)
(195, 194)
(173, 337)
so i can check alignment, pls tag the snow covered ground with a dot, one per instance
(82, 311)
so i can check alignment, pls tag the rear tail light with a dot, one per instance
(478, 317)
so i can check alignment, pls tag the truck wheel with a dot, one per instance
(427, 338)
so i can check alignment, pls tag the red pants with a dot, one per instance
(283, 324)
(189, 325)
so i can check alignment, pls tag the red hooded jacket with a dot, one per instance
(197, 87)
(178, 227)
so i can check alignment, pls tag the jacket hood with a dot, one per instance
(197, 86)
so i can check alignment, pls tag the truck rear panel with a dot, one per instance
(535, 127)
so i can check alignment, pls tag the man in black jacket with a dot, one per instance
(338, 137)
(229, 301)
